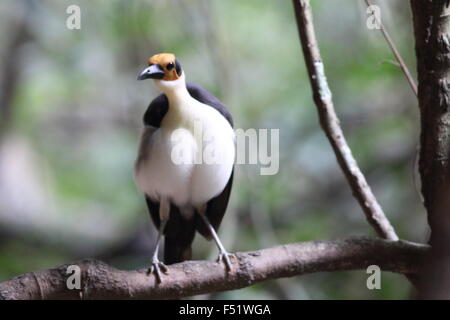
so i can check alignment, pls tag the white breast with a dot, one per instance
(189, 182)
(211, 177)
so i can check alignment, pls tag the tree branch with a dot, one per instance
(330, 123)
(101, 281)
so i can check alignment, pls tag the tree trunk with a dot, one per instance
(431, 26)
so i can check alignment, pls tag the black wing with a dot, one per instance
(156, 111)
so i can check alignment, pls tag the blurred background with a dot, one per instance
(71, 116)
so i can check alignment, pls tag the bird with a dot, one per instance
(185, 163)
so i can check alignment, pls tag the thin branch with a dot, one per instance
(101, 281)
(396, 53)
(330, 124)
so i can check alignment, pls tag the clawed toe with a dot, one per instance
(225, 258)
(156, 268)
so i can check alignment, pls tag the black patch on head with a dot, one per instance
(178, 67)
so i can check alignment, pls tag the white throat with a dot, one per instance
(175, 90)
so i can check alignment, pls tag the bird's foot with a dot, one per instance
(156, 268)
(224, 257)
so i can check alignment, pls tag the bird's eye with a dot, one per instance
(170, 66)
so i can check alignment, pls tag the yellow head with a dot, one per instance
(162, 66)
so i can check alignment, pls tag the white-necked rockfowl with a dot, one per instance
(186, 176)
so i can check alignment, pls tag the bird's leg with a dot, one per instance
(224, 256)
(157, 266)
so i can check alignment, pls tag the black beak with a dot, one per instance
(153, 72)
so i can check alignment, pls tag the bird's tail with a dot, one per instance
(176, 251)
(179, 234)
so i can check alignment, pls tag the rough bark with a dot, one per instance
(431, 27)
(100, 281)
